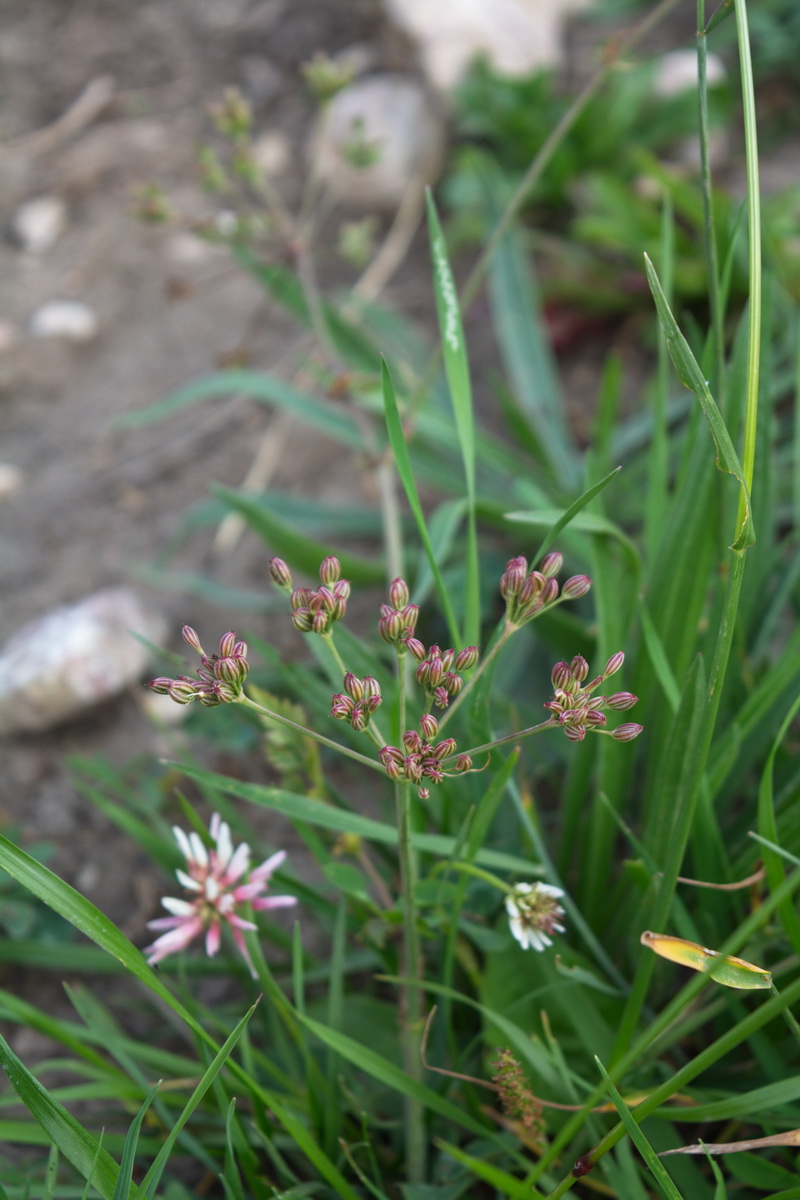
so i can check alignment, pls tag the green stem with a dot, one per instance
(323, 741)
(412, 998)
(491, 653)
(372, 731)
(510, 737)
(712, 264)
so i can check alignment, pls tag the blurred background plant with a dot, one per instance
(310, 1094)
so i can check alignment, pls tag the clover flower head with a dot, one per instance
(534, 913)
(218, 881)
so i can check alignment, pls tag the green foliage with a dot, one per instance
(342, 1081)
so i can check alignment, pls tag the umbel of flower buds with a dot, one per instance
(359, 700)
(421, 758)
(578, 711)
(398, 618)
(435, 670)
(314, 610)
(529, 593)
(219, 680)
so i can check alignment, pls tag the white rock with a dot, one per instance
(38, 223)
(676, 72)
(10, 479)
(392, 115)
(272, 153)
(74, 657)
(517, 36)
(71, 319)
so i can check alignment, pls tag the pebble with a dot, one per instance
(11, 479)
(38, 223)
(676, 72)
(71, 319)
(516, 36)
(395, 117)
(73, 657)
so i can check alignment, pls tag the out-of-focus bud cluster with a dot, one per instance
(220, 679)
(528, 593)
(577, 711)
(359, 700)
(420, 761)
(398, 618)
(325, 76)
(314, 610)
(233, 116)
(439, 670)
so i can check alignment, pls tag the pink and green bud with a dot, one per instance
(390, 627)
(531, 589)
(372, 703)
(622, 700)
(452, 683)
(330, 570)
(191, 638)
(549, 592)
(440, 697)
(226, 693)
(391, 754)
(595, 718)
(561, 676)
(467, 658)
(412, 742)
(429, 726)
(408, 615)
(161, 685)
(551, 564)
(435, 671)
(415, 648)
(341, 590)
(340, 608)
(324, 598)
(183, 693)
(301, 597)
(463, 763)
(319, 623)
(226, 644)
(341, 707)
(444, 749)
(280, 574)
(398, 593)
(513, 577)
(302, 620)
(423, 672)
(372, 689)
(359, 719)
(579, 668)
(575, 733)
(626, 733)
(614, 664)
(353, 686)
(231, 670)
(575, 587)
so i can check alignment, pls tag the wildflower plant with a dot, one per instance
(484, 827)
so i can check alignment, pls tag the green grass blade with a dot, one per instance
(151, 1180)
(76, 1144)
(692, 377)
(402, 460)
(315, 812)
(767, 828)
(260, 386)
(300, 550)
(456, 364)
(633, 1131)
(125, 1178)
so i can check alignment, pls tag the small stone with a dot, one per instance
(38, 223)
(272, 153)
(71, 319)
(375, 137)
(676, 72)
(73, 657)
(11, 479)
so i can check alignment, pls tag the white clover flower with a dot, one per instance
(533, 914)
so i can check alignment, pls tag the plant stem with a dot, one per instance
(411, 1003)
(510, 737)
(712, 264)
(323, 741)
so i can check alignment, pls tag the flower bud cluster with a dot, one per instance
(438, 671)
(528, 593)
(577, 711)
(315, 610)
(398, 618)
(220, 679)
(420, 761)
(359, 700)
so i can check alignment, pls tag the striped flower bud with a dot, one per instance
(280, 574)
(579, 668)
(372, 689)
(614, 664)
(408, 615)
(463, 763)
(626, 733)
(444, 748)
(329, 570)
(560, 676)
(622, 700)
(302, 620)
(467, 658)
(440, 697)
(191, 639)
(415, 648)
(576, 586)
(513, 577)
(398, 593)
(429, 726)
(353, 686)
(551, 564)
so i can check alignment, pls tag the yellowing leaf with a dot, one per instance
(723, 968)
